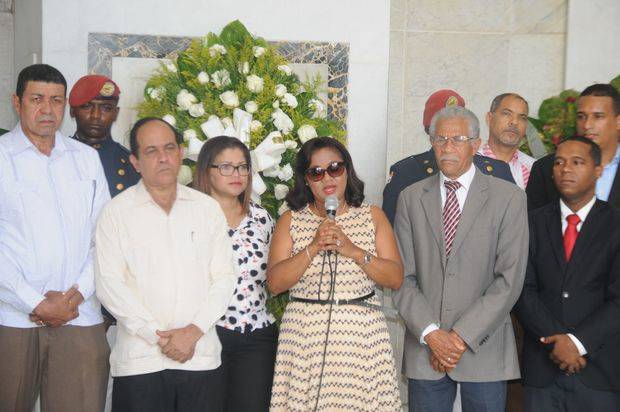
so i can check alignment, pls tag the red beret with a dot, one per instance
(439, 100)
(90, 87)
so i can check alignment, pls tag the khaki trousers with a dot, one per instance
(68, 366)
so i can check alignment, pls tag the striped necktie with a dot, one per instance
(451, 214)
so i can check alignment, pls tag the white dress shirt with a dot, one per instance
(582, 213)
(159, 271)
(461, 195)
(48, 210)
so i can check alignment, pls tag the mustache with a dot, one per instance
(512, 129)
(449, 158)
(47, 118)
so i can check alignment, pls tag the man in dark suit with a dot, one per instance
(417, 167)
(598, 118)
(570, 304)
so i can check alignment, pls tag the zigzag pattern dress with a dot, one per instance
(359, 372)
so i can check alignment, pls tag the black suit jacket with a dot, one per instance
(541, 190)
(581, 297)
(417, 167)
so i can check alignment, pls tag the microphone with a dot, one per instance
(331, 205)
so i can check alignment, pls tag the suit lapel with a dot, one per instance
(477, 196)
(589, 229)
(431, 202)
(554, 230)
(614, 193)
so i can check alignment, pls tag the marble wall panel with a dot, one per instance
(7, 87)
(536, 65)
(539, 16)
(459, 15)
(395, 98)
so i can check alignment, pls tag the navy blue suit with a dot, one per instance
(417, 167)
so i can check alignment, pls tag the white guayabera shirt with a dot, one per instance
(48, 209)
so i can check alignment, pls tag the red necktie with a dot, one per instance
(451, 213)
(570, 235)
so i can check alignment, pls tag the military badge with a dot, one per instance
(452, 101)
(107, 89)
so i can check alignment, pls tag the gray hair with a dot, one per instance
(498, 100)
(450, 112)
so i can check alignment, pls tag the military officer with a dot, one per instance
(94, 106)
(417, 167)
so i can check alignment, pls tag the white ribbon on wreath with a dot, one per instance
(266, 155)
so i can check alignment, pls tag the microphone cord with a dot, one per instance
(332, 291)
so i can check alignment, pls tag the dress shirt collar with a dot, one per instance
(142, 195)
(465, 179)
(21, 143)
(616, 158)
(582, 213)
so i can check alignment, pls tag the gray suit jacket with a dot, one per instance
(472, 292)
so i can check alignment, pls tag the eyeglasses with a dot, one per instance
(456, 140)
(334, 169)
(226, 169)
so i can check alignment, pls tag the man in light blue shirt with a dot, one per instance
(51, 191)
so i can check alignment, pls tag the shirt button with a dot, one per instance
(121, 172)
(565, 295)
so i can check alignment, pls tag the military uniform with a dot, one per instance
(417, 167)
(119, 173)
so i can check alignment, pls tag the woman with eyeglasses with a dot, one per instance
(334, 349)
(247, 331)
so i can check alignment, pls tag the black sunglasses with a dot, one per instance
(334, 169)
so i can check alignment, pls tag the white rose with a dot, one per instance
(306, 132)
(280, 191)
(243, 67)
(188, 134)
(272, 171)
(185, 175)
(280, 90)
(226, 122)
(282, 122)
(255, 125)
(276, 104)
(230, 99)
(217, 49)
(171, 67)
(319, 108)
(251, 106)
(203, 77)
(286, 173)
(283, 209)
(258, 51)
(290, 144)
(155, 93)
(196, 110)
(170, 120)
(254, 83)
(285, 69)
(185, 99)
(290, 100)
(221, 78)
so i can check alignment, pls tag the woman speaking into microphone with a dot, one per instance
(334, 350)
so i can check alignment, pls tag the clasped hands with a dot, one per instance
(564, 353)
(57, 308)
(179, 344)
(446, 349)
(329, 236)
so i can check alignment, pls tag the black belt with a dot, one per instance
(355, 301)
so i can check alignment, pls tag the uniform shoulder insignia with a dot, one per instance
(390, 176)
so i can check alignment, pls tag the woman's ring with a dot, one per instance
(337, 242)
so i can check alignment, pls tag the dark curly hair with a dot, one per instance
(301, 194)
